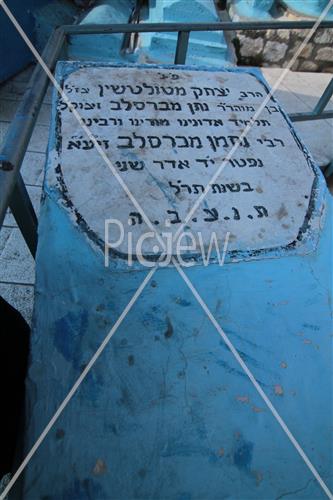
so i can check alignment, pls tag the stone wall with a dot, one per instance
(277, 47)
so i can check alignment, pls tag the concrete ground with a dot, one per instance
(298, 92)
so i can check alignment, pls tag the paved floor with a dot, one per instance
(298, 92)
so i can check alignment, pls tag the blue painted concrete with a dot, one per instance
(263, 9)
(208, 48)
(51, 15)
(311, 8)
(253, 9)
(14, 54)
(38, 18)
(166, 412)
(102, 47)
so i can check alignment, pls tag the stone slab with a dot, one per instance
(166, 140)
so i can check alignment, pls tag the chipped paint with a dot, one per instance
(100, 467)
(278, 390)
(243, 399)
(161, 402)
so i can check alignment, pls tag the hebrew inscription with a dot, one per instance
(167, 132)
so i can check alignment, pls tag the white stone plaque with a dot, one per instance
(166, 132)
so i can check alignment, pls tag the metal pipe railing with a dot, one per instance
(311, 115)
(12, 189)
(13, 192)
(103, 29)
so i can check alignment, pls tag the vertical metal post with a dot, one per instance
(323, 101)
(24, 213)
(182, 45)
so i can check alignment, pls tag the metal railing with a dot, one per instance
(13, 192)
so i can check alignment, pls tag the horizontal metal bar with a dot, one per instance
(98, 29)
(182, 46)
(21, 127)
(310, 115)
